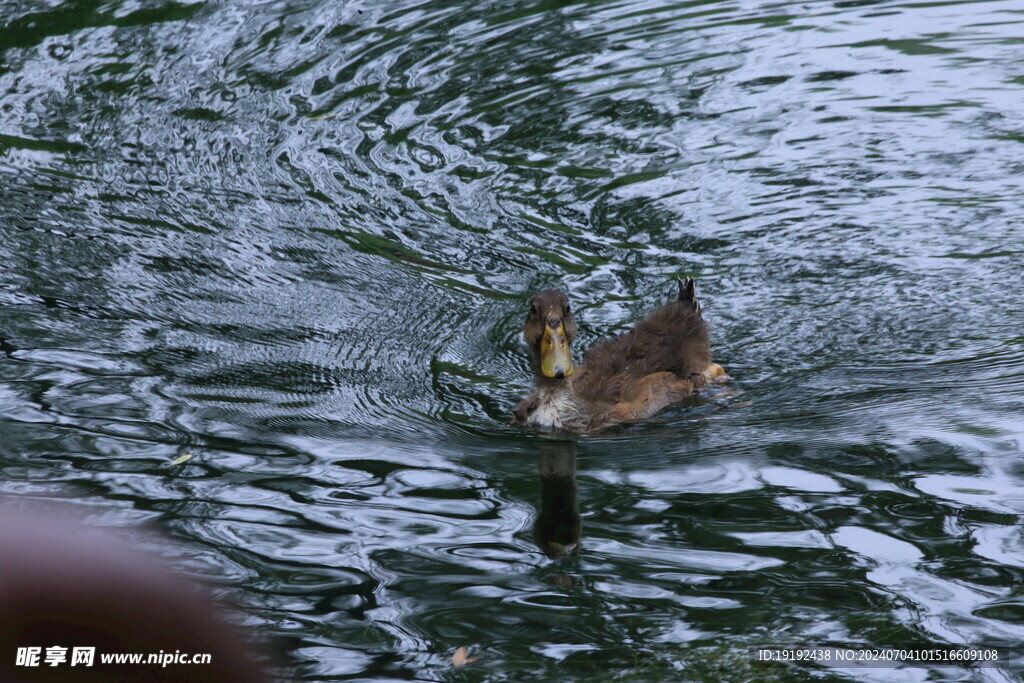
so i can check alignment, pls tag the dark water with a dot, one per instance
(296, 239)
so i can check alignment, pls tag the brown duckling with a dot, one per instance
(661, 361)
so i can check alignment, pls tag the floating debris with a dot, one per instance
(462, 657)
(180, 459)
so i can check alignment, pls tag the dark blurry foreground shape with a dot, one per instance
(65, 585)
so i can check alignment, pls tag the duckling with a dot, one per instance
(661, 361)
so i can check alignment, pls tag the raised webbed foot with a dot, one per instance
(715, 373)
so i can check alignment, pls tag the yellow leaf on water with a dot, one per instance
(461, 657)
(181, 458)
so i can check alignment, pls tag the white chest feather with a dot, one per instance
(554, 411)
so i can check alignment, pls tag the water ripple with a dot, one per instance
(295, 241)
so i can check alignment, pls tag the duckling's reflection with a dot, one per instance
(557, 529)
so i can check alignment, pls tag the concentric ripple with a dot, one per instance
(295, 241)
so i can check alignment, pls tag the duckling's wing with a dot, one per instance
(673, 338)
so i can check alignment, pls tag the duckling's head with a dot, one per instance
(550, 330)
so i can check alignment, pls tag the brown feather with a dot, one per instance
(673, 338)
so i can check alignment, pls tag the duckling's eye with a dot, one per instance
(568, 309)
(533, 309)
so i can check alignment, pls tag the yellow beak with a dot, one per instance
(555, 359)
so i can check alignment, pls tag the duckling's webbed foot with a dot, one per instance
(715, 373)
